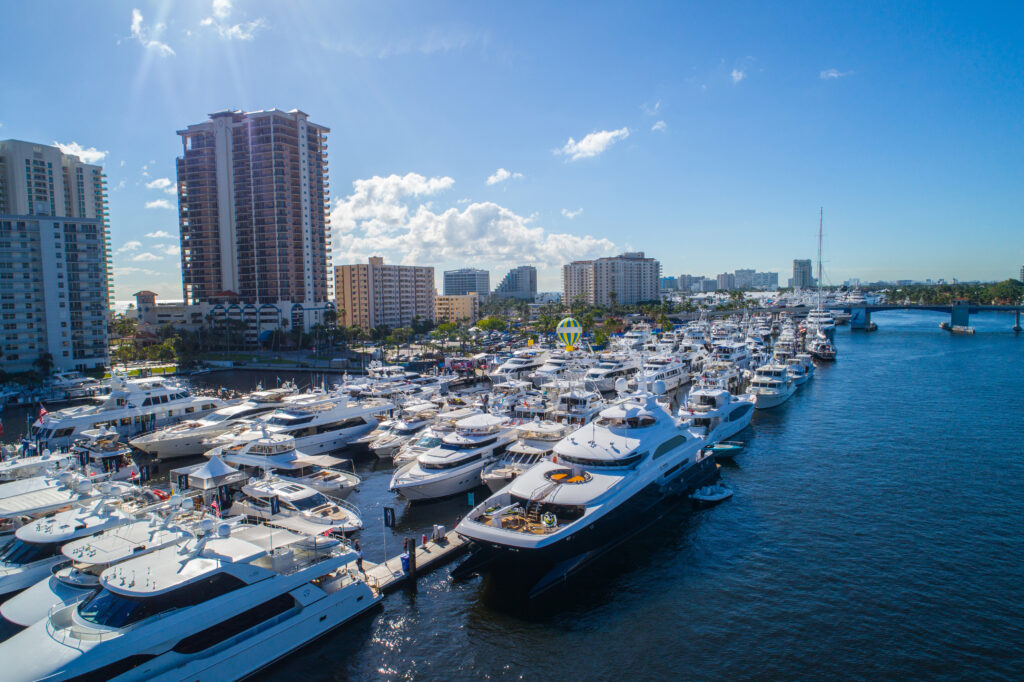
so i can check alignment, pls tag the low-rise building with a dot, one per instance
(464, 308)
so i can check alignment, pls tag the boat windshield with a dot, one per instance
(116, 611)
(18, 552)
(428, 441)
(310, 502)
(216, 417)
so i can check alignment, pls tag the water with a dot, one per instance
(874, 531)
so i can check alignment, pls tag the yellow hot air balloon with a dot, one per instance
(569, 332)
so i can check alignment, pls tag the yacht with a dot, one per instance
(221, 606)
(133, 406)
(263, 451)
(535, 442)
(71, 489)
(577, 406)
(318, 427)
(723, 374)
(821, 348)
(32, 466)
(717, 414)
(100, 453)
(271, 498)
(430, 437)
(664, 368)
(559, 364)
(411, 420)
(797, 371)
(185, 439)
(602, 376)
(820, 320)
(771, 385)
(522, 363)
(455, 464)
(604, 483)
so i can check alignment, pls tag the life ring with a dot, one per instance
(548, 519)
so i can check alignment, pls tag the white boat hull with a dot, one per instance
(184, 445)
(460, 480)
(766, 401)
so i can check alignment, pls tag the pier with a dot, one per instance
(389, 575)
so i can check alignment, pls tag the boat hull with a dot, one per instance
(432, 489)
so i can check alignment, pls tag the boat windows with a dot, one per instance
(428, 442)
(638, 422)
(18, 552)
(434, 466)
(112, 670)
(289, 420)
(469, 446)
(740, 411)
(311, 502)
(671, 444)
(621, 462)
(113, 610)
(226, 629)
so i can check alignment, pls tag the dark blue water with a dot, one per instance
(875, 532)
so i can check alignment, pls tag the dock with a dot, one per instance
(389, 575)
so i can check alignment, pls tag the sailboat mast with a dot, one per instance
(821, 215)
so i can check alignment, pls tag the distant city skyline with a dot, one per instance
(491, 136)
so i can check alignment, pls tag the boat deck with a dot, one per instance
(389, 575)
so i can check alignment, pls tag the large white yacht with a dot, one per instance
(535, 442)
(735, 352)
(410, 421)
(717, 414)
(212, 608)
(522, 363)
(559, 364)
(667, 369)
(185, 439)
(609, 369)
(577, 406)
(100, 453)
(257, 452)
(318, 427)
(454, 465)
(605, 482)
(771, 385)
(71, 489)
(272, 498)
(133, 406)
(31, 466)
(430, 437)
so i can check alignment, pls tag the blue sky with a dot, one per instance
(706, 135)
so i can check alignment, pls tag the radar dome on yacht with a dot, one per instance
(83, 486)
(224, 530)
(480, 421)
(621, 385)
(659, 387)
(46, 453)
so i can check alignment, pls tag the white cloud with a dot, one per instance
(145, 256)
(90, 155)
(571, 214)
(128, 270)
(651, 110)
(378, 218)
(737, 75)
(246, 30)
(831, 74)
(166, 184)
(142, 34)
(170, 249)
(159, 203)
(660, 126)
(593, 144)
(501, 175)
(129, 246)
(159, 234)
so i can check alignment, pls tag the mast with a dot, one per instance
(821, 214)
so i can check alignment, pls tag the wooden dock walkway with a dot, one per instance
(389, 575)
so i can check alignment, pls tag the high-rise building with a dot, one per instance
(520, 283)
(374, 294)
(54, 259)
(744, 279)
(766, 281)
(466, 281)
(253, 209)
(464, 308)
(726, 281)
(669, 284)
(802, 274)
(625, 279)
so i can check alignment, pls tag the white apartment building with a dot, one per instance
(372, 294)
(624, 279)
(54, 259)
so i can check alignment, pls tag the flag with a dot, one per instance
(215, 508)
(389, 517)
(42, 413)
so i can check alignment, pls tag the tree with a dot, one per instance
(492, 324)
(44, 363)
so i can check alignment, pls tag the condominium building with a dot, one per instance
(253, 210)
(519, 283)
(464, 308)
(726, 281)
(54, 259)
(744, 279)
(802, 274)
(465, 281)
(625, 279)
(374, 294)
(766, 281)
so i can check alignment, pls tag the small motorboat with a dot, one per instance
(710, 495)
(726, 449)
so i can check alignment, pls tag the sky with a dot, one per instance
(497, 134)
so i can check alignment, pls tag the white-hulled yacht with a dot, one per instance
(577, 406)
(605, 482)
(455, 464)
(715, 413)
(797, 371)
(821, 348)
(262, 451)
(77, 574)
(771, 385)
(430, 437)
(318, 427)
(133, 406)
(522, 363)
(71, 489)
(212, 608)
(735, 352)
(31, 466)
(559, 364)
(99, 452)
(271, 499)
(668, 370)
(413, 418)
(608, 370)
(185, 439)
(535, 441)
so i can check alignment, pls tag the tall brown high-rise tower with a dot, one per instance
(253, 208)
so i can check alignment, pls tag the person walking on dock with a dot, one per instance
(359, 556)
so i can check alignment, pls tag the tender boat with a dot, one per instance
(711, 494)
(726, 449)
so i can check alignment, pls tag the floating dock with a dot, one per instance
(389, 575)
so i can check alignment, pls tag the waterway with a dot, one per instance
(874, 532)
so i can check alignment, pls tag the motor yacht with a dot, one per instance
(715, 413)
(271, 498)
(608, 370)
(522, 363)
(264, 451)
(797, 371)
(455, 464)
(561, 364)
(430, 437)
(212, 608)
(535, 441)
(577, 406)
(604, 483)
(99, 452)
(734, 352)
(72, 489)
(133, 406)
(32, 466)
(821, 348)
(664, 368)
(185, 439)
(771, 386)
(411, 420)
